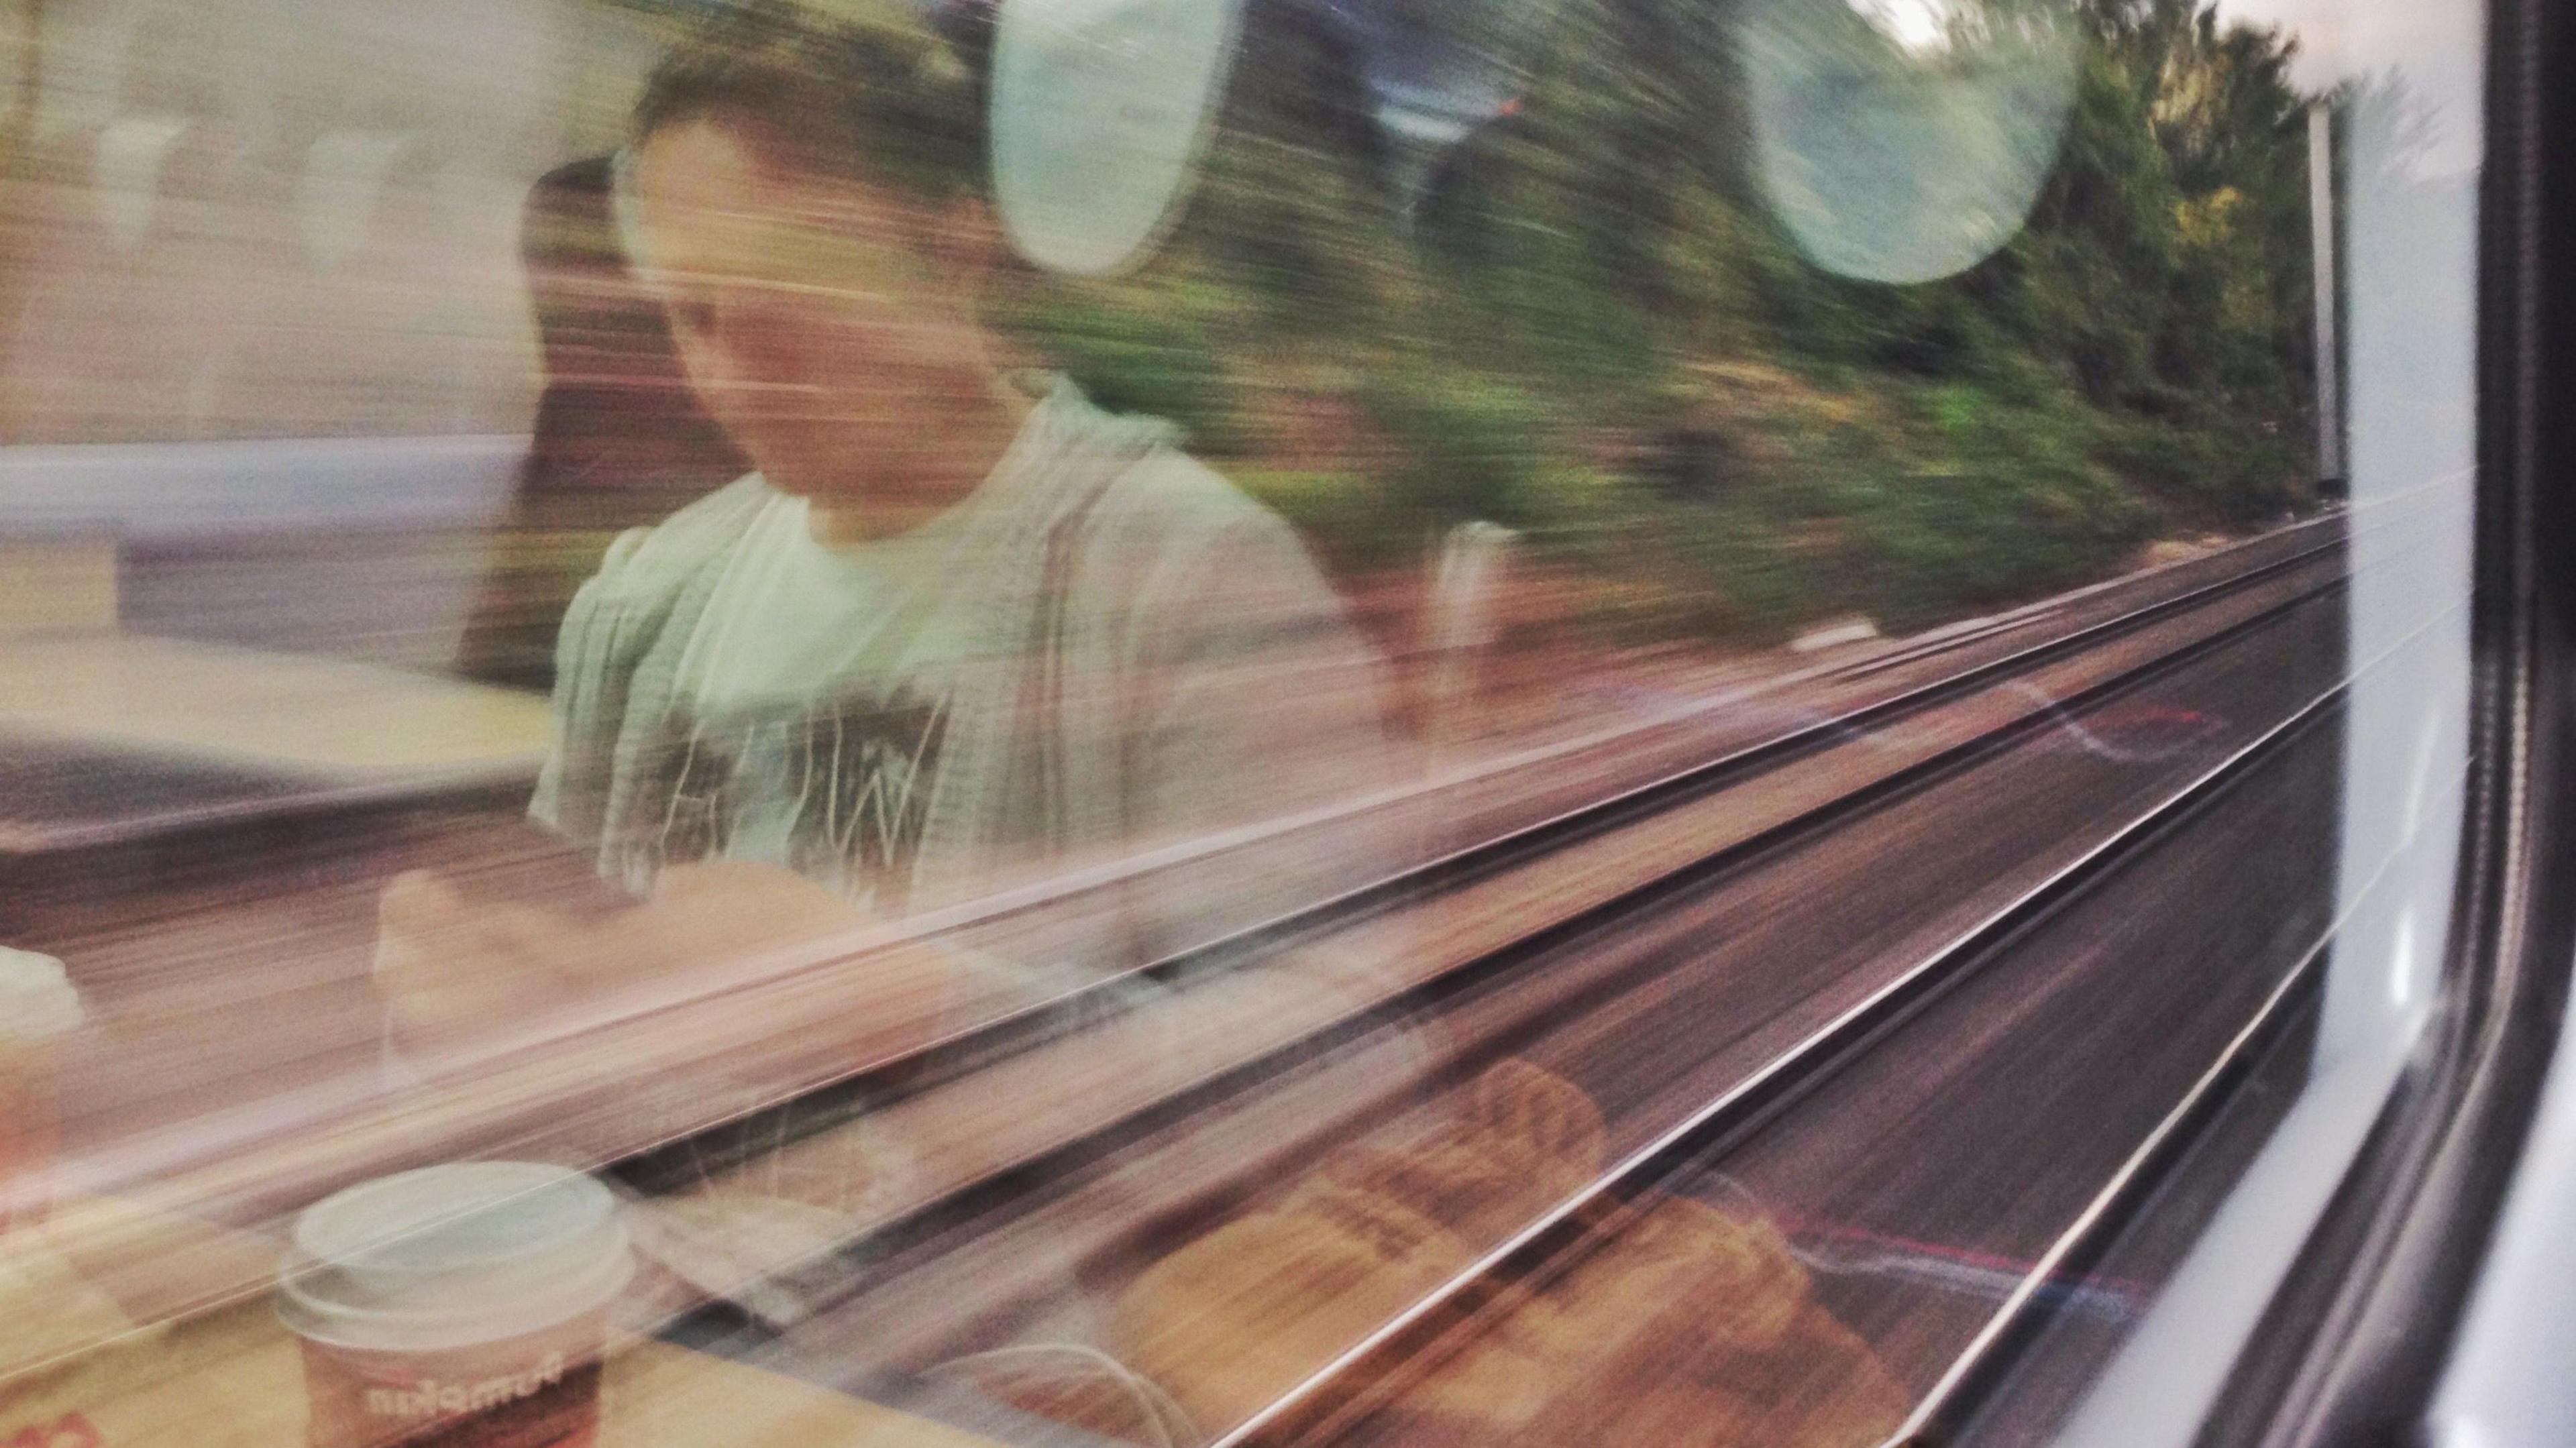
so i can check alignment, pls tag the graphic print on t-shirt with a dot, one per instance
(836, 789)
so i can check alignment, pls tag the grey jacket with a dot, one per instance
(1158, 658)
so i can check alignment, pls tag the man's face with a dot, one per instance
(817, 317)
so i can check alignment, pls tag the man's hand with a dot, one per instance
(452, 968)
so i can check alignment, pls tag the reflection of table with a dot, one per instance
(200, 831)
(234, 1379)
(137, 733)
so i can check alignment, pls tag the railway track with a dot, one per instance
(1086, 1192)
(1081, 1146)
(1747, 1120)
(273, 926)
(1502, 808)
(2309, 571)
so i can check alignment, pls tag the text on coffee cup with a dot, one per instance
(430, 1396)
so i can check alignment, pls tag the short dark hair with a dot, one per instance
(867, 89)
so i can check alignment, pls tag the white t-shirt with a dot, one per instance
(816, 697)
(1165, 661)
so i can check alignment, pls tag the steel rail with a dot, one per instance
(2024, 1310)
(1959, 1391)
(1344, 1388)
(836, 1276)
(925, 1065)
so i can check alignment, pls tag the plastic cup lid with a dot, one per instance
(454, 1253)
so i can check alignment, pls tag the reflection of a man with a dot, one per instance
(958, 622)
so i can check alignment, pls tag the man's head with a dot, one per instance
(807, 198)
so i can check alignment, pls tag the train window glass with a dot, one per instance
(1059, 721)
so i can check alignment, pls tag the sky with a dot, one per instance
(2436, 45)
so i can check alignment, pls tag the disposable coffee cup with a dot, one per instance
(39, 1012)
(462, 1305)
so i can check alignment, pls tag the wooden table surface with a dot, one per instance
(322, 716)
(234, 1379)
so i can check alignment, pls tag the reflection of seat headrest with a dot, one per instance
(343, 182)
(126, 174)
(568, 220)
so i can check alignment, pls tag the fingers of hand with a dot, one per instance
(446, 964)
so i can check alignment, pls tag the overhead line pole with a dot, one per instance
(2321, 266)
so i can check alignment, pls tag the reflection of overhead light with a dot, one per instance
(1099, 110)
(1885, 162)
(1916, 25)
(1423, 128)
(2401, 961)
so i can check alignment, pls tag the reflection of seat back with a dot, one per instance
(363, 318)
(1462, 624)
(340, 194)
(126, 175)
(619, 437)
(117, 250)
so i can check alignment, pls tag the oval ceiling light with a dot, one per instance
(1905, 140)
(1100, 109)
